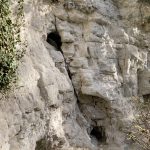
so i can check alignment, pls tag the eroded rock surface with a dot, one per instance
(77, 96)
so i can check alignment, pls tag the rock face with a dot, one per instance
(77, 96)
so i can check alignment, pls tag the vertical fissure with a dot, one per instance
(98, 132)
(54, 39)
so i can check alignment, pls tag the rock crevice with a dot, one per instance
(81, 69)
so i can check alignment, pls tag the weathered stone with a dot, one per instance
(144, 82)
(67, 37)
(63, 94)
(77, 16)
(79, 63)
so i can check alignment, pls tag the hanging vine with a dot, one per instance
(10, 43)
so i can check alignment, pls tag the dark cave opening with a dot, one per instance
(41, 144)
(146, 98)
(54, 39)
(99, 133)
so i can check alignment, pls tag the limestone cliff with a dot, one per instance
(84, 61)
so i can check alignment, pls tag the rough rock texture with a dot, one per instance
(78, 97)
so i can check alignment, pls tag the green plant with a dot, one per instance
(139, 131)
(10, 53)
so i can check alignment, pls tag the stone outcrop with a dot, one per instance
(77, 96)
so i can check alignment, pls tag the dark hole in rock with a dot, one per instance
(54, 39)
(54, 1)
(146, 98)
(98, 132)
(41, 145)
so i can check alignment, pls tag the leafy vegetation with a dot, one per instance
(10, 43)
(139, 132)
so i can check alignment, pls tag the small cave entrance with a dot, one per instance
(54, 39)
(41, 145)
(98, 132)
(146, 98)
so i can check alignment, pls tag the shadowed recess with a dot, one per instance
(54, 39)
(146, 98)
(99, 133)
(41, 145)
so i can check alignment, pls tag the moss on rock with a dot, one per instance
(9, 41)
